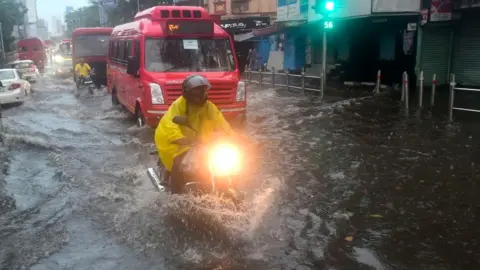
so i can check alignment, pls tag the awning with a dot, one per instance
(267, 31)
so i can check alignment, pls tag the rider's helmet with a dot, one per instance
(195, 89)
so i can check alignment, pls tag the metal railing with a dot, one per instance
(451, 99)
(291, 81)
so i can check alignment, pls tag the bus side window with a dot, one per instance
(110, 49)
(115, 51)
(121, 50)
(136, 48)
(128, 50)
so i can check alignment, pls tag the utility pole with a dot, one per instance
(138, 5)
(1, 40)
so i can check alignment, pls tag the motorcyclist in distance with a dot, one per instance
(174, 141)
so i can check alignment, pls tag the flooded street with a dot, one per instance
(350, 184)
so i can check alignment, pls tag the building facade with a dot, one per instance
(243, 19)
(367, 36)
(449, 42)
(42, 29)
(31, 18)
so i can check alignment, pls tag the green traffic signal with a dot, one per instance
(329, 5)
(324, 7)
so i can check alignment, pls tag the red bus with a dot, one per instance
(150, 57)
(32, 49)
(91, 44)
(65, 47)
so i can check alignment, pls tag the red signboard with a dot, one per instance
(441, 10)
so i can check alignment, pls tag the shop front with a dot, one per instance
(466, 49)
(242, 31)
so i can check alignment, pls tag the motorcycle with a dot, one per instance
(216, 174)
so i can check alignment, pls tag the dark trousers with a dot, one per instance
(176, 176)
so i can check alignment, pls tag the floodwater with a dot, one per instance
(349, 184)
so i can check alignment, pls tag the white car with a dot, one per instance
(27, 69)
(13, 88)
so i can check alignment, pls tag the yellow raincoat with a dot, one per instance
(206, 119)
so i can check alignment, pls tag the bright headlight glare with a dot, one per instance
(156, 93)
(224, 159)
(241, 91)
(58, 58)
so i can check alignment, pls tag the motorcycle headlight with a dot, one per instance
(224, 160)
(241, 91)
(156, 93)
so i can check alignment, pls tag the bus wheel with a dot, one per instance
(114, 97)
(140, 118)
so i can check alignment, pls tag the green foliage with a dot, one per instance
(126, 10)
(88, 16)
(11, 13)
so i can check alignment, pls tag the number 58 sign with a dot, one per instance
(328, 24)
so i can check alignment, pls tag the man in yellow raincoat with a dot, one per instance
(173, 141)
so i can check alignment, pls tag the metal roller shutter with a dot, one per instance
(436, 42)
(466, 52)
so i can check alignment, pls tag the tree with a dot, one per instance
(125, 10)
(11, 13)
(88, 16)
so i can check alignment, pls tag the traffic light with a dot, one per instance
(324, 7)
(329, 6)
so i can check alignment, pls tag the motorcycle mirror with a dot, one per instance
(181, 120)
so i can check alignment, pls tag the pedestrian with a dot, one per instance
(252, 59)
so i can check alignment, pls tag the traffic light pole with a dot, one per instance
(324, 63)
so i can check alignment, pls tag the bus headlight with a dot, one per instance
(241, 91)
(156, 93)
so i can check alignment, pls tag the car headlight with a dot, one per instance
(224, 160)
(241, 91)
(156, 93)
(58, 58)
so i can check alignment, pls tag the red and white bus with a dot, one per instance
(91, 44)
(150, 57)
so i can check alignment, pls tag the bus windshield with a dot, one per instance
(65, 48)
(188, 55)
(91, 45)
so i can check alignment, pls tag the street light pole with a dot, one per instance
(138, 5)
(1, 40)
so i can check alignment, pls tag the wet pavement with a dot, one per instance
(350, 184)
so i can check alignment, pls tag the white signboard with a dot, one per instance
(379, 6)
(292, 10)
(190, 44)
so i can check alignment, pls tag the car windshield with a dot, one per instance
(93, 45)
(22, 65)
(7, 75)
(188, 55)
